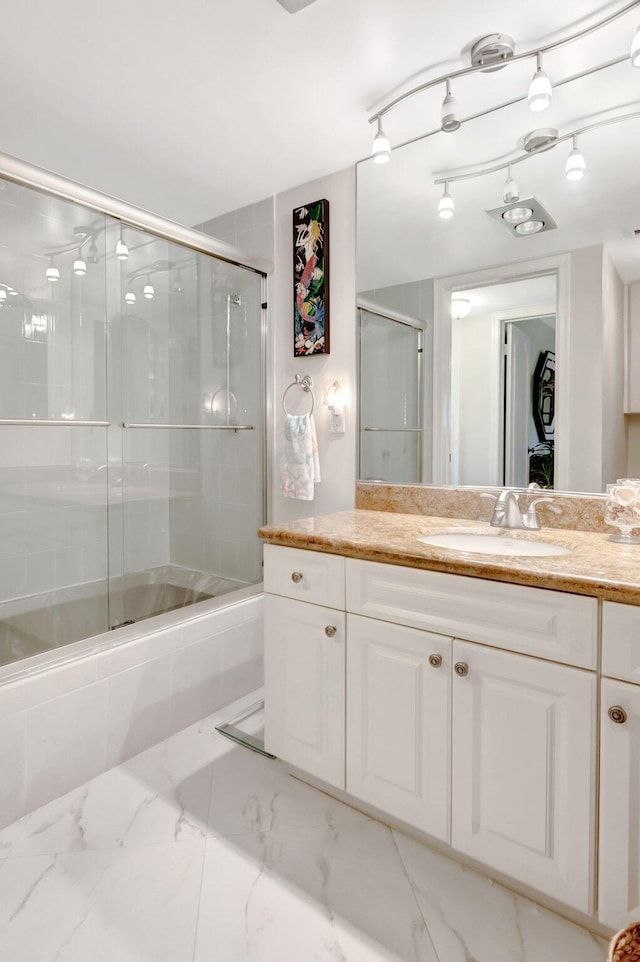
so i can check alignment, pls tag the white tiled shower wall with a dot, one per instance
(68, 724)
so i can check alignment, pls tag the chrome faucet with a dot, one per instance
(508, 514)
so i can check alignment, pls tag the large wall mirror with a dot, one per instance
(490, 356)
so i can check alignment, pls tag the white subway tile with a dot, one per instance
(66, 743)
(138, 709)
(12, 768)
(139, 651)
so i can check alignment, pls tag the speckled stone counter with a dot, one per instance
(595, 566)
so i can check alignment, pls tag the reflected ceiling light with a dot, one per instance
(129, 297)
(122, 251)
(540, 91)
(148, 290)
(177, 287)
(52, 273)
(93, 252)
(510, 191)
(460, 307)
(3, 296)
(516, 215)
(635, 49)
(575, 165)
(381, 148)
(446, 207)
(450, 112)
(529, 227)
(79, 265)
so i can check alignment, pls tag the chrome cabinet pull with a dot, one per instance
(617, 714)
(297, 577)
(435, 661)
(330, 631)
(461, 668)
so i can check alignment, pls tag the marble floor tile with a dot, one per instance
(135, 904)
(200, 850)
(332, 894)
(161, 795)
(471, 919)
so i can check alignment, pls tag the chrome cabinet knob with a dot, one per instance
(461, 668)
(435, 661)
(330, 631)
(617, 714)
(297, 577)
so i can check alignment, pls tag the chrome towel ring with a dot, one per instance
(306, 384)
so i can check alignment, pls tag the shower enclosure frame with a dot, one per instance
(39, 179)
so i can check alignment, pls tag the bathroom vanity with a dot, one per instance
(492, 703)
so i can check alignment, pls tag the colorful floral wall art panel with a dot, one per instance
(311, 279)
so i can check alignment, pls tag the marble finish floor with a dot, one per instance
(199, 850)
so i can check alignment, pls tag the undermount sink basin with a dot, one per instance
(497, 543)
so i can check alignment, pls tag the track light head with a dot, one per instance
(450, 112)
(510, 191)
(381, 148)
(540, 90)
(446, 207)
(575, 166)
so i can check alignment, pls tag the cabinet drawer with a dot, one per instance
(621, 641)
(304, 575)
(535, 621)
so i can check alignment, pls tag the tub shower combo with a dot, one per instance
(132, 453)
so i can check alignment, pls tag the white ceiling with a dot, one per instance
(195, 108)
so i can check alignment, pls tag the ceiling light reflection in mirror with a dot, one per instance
(567, 186)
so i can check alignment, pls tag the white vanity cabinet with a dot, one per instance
(399, 722)
(470, 708)
(523, 774)
(619, 857)
(305, 661)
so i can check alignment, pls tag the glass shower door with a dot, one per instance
(391, 435)
(189, 389)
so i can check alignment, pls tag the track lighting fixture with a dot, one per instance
(635, 49)
(177, 287)
(148, 290)
(510, 191)
(129, 297)
(446, 207)
(492, 53)
(450, 113)
(122, 251)
(540, 91)
(79, 265)
(52, 273)
(93, 252)
(575, 165)
(381, 148)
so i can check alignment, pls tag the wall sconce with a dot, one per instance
(334, 399)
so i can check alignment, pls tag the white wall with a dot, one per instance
(614, 453)
(336, 491)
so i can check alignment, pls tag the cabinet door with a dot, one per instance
(398, 721)
(523, 769)
(305, 686)
(619, 876)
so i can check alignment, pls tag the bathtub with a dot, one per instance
(71, 710)
(54, 619)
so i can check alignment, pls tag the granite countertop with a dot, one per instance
(595, 566)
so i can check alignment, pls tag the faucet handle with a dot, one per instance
(492, 497)
(531, 517)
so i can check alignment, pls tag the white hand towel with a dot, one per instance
(300, 465)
